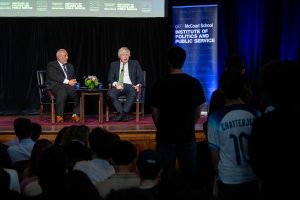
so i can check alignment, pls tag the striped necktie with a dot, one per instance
(65, 70)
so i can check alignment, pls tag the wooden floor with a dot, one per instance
(142, 133)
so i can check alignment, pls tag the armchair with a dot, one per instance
(47, 98)
(139, 102)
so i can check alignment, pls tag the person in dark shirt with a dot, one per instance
(176, 106)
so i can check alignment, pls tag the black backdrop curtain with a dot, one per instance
(29, 44)
(257, 30)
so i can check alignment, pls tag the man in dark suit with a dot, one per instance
(61, 80)
(125, 77)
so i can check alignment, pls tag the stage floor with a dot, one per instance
(129, 129)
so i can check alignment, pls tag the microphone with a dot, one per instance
(122, 69)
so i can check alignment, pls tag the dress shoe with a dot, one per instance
(125, 118)
(59, 119)
(118, 117)
(75, 118)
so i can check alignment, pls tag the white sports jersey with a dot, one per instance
(229, 130)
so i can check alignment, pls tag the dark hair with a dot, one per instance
(124, 153)
(38, 148)
(280, 80)
(176, 57)
(235, 62)
(22, 127)
(232, 84)
(77, 185)
(148, 164)
(36, 131)
(51, 167)
(59, 136)
(102, 142)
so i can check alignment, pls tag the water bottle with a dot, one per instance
(77, 86)
(100, 86)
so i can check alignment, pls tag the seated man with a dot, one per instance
(61, 81)
(125, 77)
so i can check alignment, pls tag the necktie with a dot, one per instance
(65, 70)
(121, 76)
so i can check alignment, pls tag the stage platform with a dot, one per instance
(142, 133)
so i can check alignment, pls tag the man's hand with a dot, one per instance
(72, 82)
(137, 87)
(119, 86)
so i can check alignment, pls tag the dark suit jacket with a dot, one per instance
(55, 74)
(135, 72)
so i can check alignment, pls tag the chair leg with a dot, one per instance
(52, 113)
(41, 111)
(107, 112)
(137, 112)
(143, 110)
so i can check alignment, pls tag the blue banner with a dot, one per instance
(195, 30)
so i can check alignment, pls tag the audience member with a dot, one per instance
(35, 134)
(217, 100)
(78, 133)
(273, 143)
(149, 168)
(5, 160)
(229, 129)
(36, 131)
(51, 170)
(6, 181)
(29, 183)
(125, 77)
(22, 150)
(175, 136)
(59, 136)
(102, 143)
(268, 90)
(123, 157)
(129, 193)
(9, 180)
(77, 185)
(61, 80)
(75, 143)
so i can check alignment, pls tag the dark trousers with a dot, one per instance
(130, 94)
(247, 191)
(185, 153)
(62, 93)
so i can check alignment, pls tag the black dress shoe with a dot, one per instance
(118, 117)
(125, 118)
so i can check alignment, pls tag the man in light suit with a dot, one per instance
(61, 80)
(125, 77)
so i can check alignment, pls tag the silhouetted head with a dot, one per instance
(22, 128)
(235, 63)
(232, 83)
(149, 164)
(36, 131)
(176, 57)
(124, 153)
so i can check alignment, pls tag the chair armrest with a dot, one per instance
(139, 92)
(42, 86)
